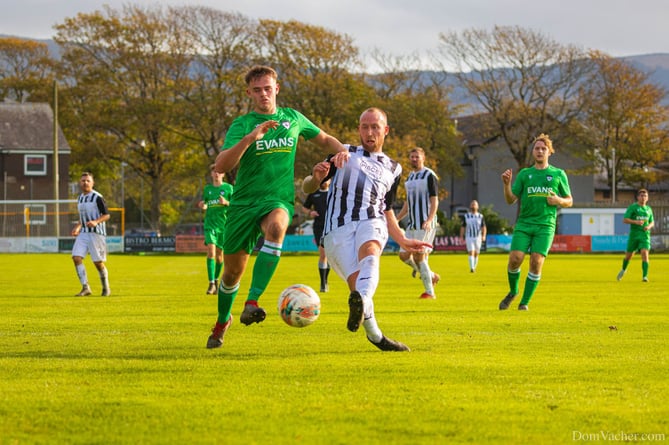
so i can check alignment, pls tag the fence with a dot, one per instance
(48, 218)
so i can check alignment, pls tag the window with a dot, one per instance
(34, 214)
(34, 165)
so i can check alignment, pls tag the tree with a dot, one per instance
(126, 71)
(25, 70)
(221, 52)
(624, 124)
(527, 82)
(315, 67)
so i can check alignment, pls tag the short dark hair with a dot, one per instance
(258, 71)
(640, 191)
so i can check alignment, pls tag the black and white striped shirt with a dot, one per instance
(363, 189)
(420, 186)
(473, 223)
(91, 206)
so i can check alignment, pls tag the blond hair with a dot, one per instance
(546, 140)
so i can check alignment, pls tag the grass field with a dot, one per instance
(587, 363)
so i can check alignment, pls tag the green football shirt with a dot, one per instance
(216, 213)
(532, 186)
(639, 213)
(267, 168)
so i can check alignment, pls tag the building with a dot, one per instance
(27, 165)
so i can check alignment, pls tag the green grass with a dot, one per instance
(133, 368)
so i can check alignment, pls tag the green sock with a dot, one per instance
(625, 264)
(531, 283)
(263, 269)
(644, 268)
(217, 270)
(226, 296)
(210, 269)
(514, 278)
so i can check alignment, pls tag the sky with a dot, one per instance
(403, 27)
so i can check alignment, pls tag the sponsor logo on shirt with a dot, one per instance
(275, 145)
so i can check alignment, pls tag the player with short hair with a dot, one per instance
(639, 216)
(541, 189)
(421, 207)
(91, 232)
(473, 231)
(263, 143)
(360, 218)
(215, 202)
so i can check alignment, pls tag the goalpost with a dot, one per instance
(44, 218)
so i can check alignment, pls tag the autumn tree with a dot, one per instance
(316, 76)
(527, 82)
(419, 107)
(221, 55)
(25, 70)
(125, 73)
(624, 124)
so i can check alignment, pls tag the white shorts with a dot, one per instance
(423, 235)
(343, 243)
(473, 244)
(93, 243)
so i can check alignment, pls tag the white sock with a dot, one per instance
(426, 277)
(81, 273)
(372, 329)
(472, 264)
(368, 277)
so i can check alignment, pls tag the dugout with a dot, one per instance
(591, 221)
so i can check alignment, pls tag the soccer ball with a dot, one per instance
(299, 305)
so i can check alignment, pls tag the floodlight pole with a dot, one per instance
(613, 180)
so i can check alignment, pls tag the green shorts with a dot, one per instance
(637, 242)
(532, 238)
(214, 236)
(242, 229)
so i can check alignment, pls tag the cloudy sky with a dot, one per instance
(402, 27)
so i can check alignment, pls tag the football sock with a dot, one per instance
(368, 277)
(514, 278)
(531, 283)
(625, 264)
(226, 296)
(323, 273)
(426, 277)
(263, 269)
(104, 277)
(81, 273)
(644, 268)
(211, 266)
(217, 271)
(476, 261)
(472, 264)
(412, 264)
(372, 329)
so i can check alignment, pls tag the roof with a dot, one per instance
(28, 127)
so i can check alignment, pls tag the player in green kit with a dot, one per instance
(640, 218)
(215, 201)
(541, 189)
(263, 143)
